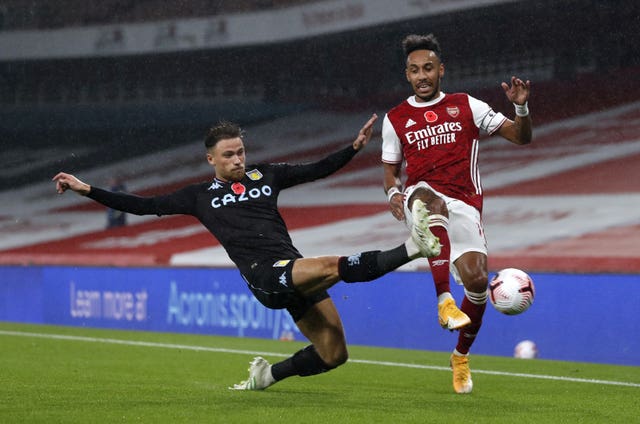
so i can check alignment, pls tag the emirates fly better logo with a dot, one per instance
(433, 135)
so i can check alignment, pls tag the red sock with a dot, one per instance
(468, 334)
(440, 264)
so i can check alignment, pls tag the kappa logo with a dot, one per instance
(216, 185)
(353, 260)
(283, 279)
(409, 123)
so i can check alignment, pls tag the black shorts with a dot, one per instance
(271, 282)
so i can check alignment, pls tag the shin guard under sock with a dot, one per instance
(367, 266)
(304, 362)
(473, 305)
(438, 225)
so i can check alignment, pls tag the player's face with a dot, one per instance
(228, 158)
(424, 72)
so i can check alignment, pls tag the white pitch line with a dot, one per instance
(357, 361)
(503, 373)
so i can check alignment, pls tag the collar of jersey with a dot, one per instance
(412, 101)
(225, 183)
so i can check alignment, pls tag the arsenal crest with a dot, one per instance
(453, 111)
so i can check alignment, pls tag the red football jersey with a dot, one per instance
(439, 141)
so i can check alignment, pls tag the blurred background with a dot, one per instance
(124, 91)
(134, 77)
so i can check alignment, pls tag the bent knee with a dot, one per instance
(438, 206)
(337, 358)
(334, 354)
(477, 282)
(472, 268)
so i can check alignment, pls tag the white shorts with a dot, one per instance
(466, 233)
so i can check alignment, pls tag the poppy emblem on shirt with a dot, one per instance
(430, 116)
(453, 111)
(238, 188)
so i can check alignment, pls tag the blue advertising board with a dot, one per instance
(591, 318)
(160, 299)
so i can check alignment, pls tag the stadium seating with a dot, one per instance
(140, 116)
(42, 14)
(546, 206)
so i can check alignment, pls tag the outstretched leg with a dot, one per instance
(312, 275)
(321, 323)
(449, 316)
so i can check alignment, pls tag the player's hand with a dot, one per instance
(66, 182)
(365, 133)
(396, 206)
(518, 92)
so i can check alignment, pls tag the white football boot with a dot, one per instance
(428, 244)
(259, 376)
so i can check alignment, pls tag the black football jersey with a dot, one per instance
(242, 215)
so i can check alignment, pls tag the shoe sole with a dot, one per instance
(451, 324)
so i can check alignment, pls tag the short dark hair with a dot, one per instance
(223, 130)
(421, 42)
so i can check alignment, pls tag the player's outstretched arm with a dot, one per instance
(125, 202)
(303, 173)
(518, 91)
(519, 130)
(365, 133)
(66, 182)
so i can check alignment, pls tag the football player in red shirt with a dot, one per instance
(437, 135)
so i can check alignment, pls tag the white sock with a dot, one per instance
(412, 249)
(444, 296)
(270, 379)
(477, 298)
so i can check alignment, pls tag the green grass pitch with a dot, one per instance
(52, 374)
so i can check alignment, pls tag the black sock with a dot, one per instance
(304, 362)
(393, 259)
(368, 266)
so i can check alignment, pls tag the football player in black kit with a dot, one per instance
(239, 207)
